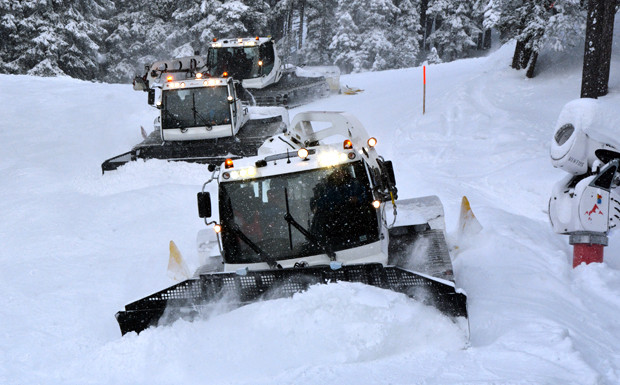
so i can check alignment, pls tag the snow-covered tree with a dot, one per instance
(534, 24)
(457, 31)
(433, 57)
(173, 28)
(54, 37)
(137, 36)
(369, 30)
(346, 45)
(566, 24)
(406, 38)
(320, 21)
(82, 34)
(478, 14)
(255, 19)
(9, 19)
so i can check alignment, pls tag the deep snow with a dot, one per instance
(77, 246)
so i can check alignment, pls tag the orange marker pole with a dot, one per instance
(424, 94)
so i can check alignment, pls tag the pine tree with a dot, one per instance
(566, 24)
(82, 35)
(255, 18)
(135, 39)
(478, 13)
(320, 23)
(54, 37)
(10, 11)
(457, 30)
(346, 44)
(36, 41)
(536, 23)
(433, 57)
(406, 37)
(367, 30)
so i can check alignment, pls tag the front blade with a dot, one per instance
(193, 297)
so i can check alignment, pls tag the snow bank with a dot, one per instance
(336, 324)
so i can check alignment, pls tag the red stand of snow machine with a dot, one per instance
(587, 247)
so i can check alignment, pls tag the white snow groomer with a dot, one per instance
(201, 118)
(304, 212)
(255, 62)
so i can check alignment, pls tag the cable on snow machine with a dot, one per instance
(303, 212)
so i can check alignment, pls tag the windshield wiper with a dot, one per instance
(260, 252)
(326, 247)
(198, 114)
(202, 118)
(170, 116)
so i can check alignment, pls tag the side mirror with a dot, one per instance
(390, 172)
(204, 205)
(151, 97)
(388, 180)
(387, 171)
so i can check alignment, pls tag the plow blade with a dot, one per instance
(193, 297)
(212, 151)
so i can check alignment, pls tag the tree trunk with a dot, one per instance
(288, 36)
(487, 39)
(302, 6)
(597, 50)
(424, 22)
(480, 41)
(526, 54)
(606, 46)
(517, 58)
(531, 64)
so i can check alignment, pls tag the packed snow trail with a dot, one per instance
(77, 246)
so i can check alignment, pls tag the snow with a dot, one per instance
(77, 245)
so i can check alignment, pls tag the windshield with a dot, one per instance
(334, 204)
(192, 107)
(241, 62)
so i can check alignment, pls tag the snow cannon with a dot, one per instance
(318, 204)
(584, 204)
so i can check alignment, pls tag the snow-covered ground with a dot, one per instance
(77, 246)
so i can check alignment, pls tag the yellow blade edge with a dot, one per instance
(177, 269)
(468, 223)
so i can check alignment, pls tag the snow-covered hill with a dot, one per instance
(77, 246)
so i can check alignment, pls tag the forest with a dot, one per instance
(112, 40)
